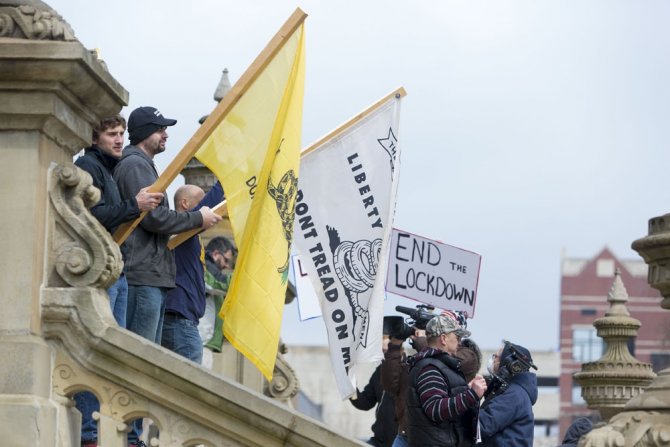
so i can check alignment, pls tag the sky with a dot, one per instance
(530, 130)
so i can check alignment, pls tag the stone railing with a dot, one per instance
(132, 377)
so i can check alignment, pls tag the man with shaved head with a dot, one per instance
(185, 304)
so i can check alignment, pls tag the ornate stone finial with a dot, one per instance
(220, 92)
(223, 87)
(655, 250)
(195, 172)
(84, 254)
(617, 297)
(32, 19)
(610, 382)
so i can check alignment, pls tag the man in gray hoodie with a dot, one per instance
(150, 266)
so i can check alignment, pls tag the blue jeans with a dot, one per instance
(181, 335)
(118, 299)
(400, 441)
(146, 305)
(87, 403)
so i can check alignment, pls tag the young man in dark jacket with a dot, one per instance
(441, 404)
(506, 416)
(99, 161)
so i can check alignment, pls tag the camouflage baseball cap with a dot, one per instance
(442, 324)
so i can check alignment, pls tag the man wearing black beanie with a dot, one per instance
(150, 265)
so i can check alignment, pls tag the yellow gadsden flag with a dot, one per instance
(255, 153)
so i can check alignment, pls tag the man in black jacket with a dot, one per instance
(385, 427)
(99, 161)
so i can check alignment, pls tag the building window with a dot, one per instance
(605, 268)
(590, 312)
(586, 345)
(660, 361)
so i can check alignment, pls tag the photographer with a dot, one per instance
(506, 416)
(395, 370)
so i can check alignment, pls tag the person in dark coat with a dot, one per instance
(99, 161)
(395, 369)
(506, 416)
(185, 304)
(577, 429)
(441, 404)
(385, 426)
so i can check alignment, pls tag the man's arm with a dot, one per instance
(131, 178)
(500, 412)
(213, 197)
(368, 398)
(435, 400)
(110, 216)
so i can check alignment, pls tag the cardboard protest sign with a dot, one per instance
(432, 272)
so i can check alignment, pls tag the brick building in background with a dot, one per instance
(585, 284)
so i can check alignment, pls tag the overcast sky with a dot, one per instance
(530, 128)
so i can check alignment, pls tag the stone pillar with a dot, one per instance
(51, 92)
(645, 420)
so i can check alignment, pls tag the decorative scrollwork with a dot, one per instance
(284, 383)
(84, 252)
(29, 22)
(634, 428)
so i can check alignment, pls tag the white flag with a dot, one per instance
(344, 214)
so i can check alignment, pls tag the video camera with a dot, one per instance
(418, 319)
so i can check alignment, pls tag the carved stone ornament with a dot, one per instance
(35, 22)
(84, 253)
(611, 381)
(284, 385)
(633, 428)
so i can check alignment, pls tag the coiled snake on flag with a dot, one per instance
(356, 266)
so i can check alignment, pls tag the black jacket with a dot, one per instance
(423, 431)
(385, 426)
(111, 211)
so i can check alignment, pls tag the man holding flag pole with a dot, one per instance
(251, 142)
(150, 266)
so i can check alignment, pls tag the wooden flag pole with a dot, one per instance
(218, 114)
(222, 208)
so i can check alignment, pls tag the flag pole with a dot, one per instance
(222, 208)
(397, 93)
(218, 114)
